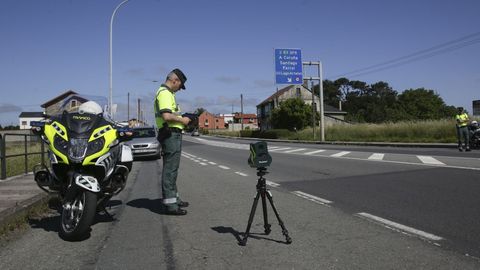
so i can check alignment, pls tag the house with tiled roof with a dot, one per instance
(264, 109)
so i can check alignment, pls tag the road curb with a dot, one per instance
(21, 208)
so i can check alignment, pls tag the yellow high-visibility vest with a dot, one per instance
(462, 120)
(165, 102)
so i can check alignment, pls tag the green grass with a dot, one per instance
(16, 165)
(431, 131)
(438, 131)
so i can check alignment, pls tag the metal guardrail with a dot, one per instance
(4, 156)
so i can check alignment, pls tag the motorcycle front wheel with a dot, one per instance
(78, 214)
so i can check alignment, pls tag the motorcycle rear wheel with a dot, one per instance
(77, 215)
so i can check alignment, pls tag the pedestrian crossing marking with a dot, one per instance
(314, 152)
(295, 150)
(280, 149)
(376, 156)
(340, 154)
(430, 160)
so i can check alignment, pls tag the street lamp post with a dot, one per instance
(110, 102)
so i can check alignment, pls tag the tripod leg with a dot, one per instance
(243, 242)
(266, 226)
(280, 222)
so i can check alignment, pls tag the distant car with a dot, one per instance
(144, 143)
(195, 133)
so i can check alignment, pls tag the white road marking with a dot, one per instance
(393, 225)
(242, 174)
(294, 150)
(314, 152)
(430, 160)
(340, 154)
(272, 184)
(281, 149)
(376, 156)
(212, 163)
(224, 167)
(312, 198)
(203, 163)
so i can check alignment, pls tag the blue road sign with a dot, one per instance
(288, 66)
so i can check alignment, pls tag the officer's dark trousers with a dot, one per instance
(462, 133)
(172, 150)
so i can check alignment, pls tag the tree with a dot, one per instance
(423, 104)
(370, 103)
(292, 114)
(199, 111)
(331, 94)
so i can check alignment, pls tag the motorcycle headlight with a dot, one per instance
(77, 150)
(95, 146)
(60, 144)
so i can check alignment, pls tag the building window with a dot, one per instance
(24, 123)
(298, 92)
(216, 120)
(206, 122)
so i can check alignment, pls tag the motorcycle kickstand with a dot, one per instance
(104, 210)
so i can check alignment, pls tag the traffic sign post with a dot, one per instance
(288, 66)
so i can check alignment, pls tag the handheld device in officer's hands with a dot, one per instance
(193, 119)
(192, 116)
(259, 156)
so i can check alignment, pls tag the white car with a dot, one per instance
(144, 143)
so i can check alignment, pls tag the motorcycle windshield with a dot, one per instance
(81, 113)
(73, 104)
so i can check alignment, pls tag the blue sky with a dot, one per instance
(226, 48)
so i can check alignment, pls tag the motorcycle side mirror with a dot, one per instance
(37, 127)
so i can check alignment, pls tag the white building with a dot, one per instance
(227, 117)
(25, 118)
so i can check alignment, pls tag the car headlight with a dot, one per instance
(154, 145)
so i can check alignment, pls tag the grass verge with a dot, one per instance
(19, 220)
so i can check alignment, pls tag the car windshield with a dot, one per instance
(144, 133)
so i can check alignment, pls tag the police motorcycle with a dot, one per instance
(88, 163)
(474, 133)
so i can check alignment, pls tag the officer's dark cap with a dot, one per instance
(181, 77)
(460, 108)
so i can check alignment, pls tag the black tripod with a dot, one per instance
(263, 192)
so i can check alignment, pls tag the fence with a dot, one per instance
(7, 138)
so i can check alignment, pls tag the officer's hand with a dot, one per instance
(185, 121)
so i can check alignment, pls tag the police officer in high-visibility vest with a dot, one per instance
(462, 129)
(170, 124)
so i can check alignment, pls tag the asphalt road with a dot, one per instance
(355, 210)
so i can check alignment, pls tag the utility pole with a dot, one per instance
(128, 106)
(110, 101)
(320, 85)
(241, 110)
(314, 110)
(138, 110)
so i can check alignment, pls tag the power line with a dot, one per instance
(416, 56)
